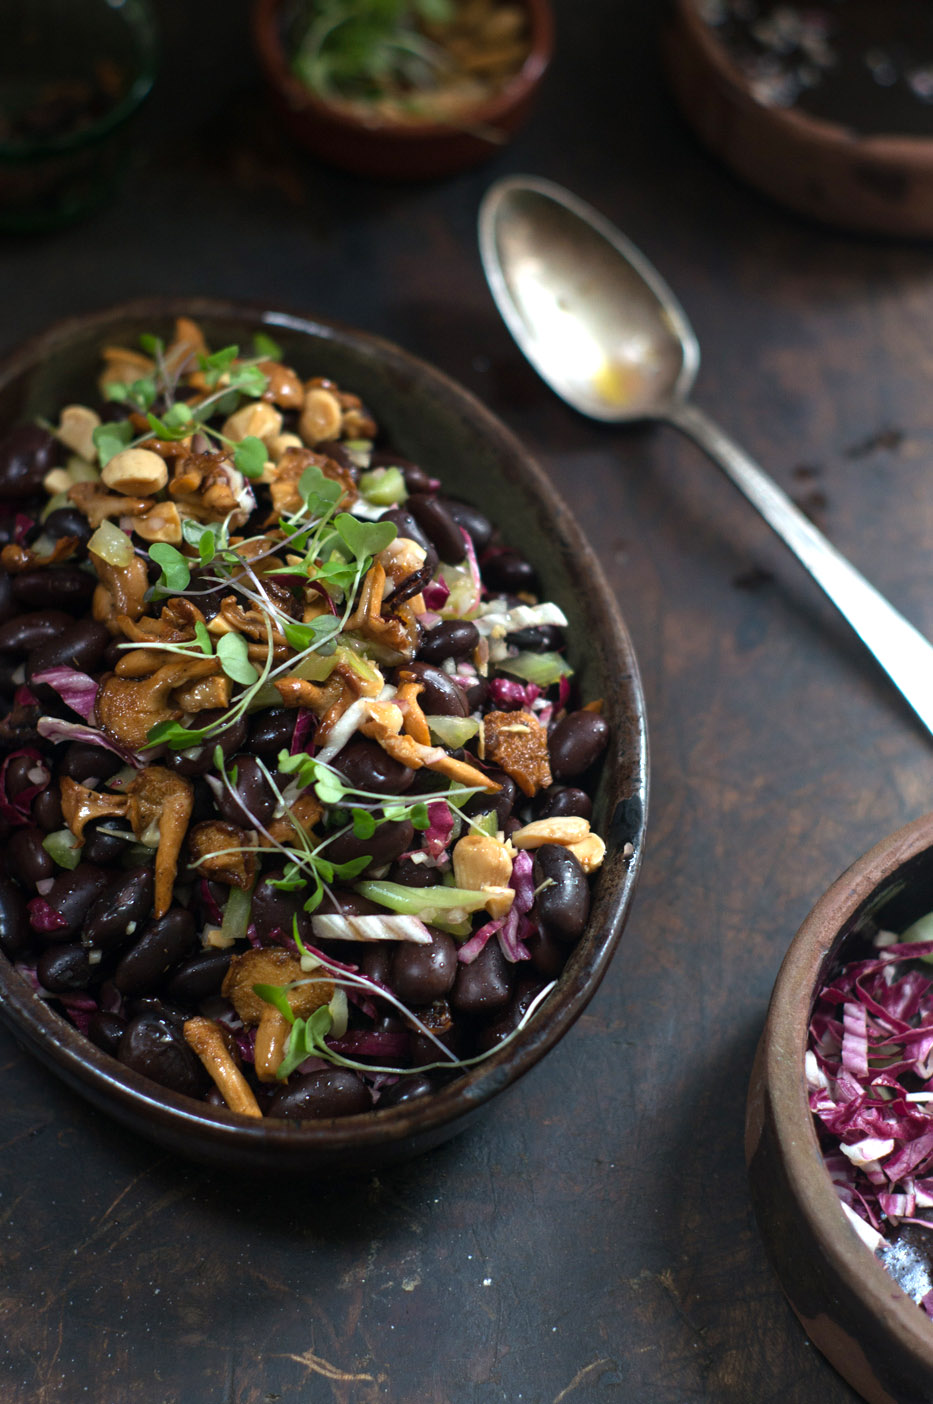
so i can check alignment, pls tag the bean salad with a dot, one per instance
(295, 783)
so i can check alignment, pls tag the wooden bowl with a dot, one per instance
(873, 184)
(400, 150)
(875, 1335)
(428, 418)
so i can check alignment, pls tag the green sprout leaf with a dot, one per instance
(364, 538)
(203, 638)
(216, 365)
(318, 490)
(249, 380)
(172, 734)
(315, 632)
(364, 825)
(110, 439)
(277, 996)
(152, 345)
(306, 1041)
(266, 348)
(175, 424)
(233, 652)
(141, 394)
(176, 574)
(250, 457)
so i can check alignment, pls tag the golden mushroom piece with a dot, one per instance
(272, 966)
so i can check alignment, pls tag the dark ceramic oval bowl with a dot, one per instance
(399, 150)
(879, 184)
(851, 1308)
(429, 418)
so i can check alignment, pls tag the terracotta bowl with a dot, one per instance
(875, 184)
(851, 1308)
(403, 150)
(430, 419)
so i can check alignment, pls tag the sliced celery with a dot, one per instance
(383, 487)
(63, 848)
(542, 669)
(452, 731)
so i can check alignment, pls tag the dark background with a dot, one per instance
(591, 1239)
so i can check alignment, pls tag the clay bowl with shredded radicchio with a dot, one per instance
(324, 765)
(839, 1134)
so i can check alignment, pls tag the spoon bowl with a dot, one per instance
(594, 318)
(603, 329)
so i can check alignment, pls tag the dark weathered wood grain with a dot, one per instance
(591, 1241)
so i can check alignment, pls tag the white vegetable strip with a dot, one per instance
(521, 617)
(371, 928)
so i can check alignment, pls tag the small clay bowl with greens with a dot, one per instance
(198, 825)
(405, 92)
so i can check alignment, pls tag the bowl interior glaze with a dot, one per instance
(852, 1309)
(429, 418)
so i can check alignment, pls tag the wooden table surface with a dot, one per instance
(591, 1239)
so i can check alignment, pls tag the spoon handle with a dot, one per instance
(903, 652)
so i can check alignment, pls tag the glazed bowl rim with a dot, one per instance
(140, 18)
(301, 99)
(80, 1061)
(784, 1044)
(833, 137)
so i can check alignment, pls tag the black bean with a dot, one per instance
(343, 901)
(199, 977)
(575, 743)
(422, 974)
(438, 526)
(562, 906)
(272, 732)
(366, 766)
(165, 1009)
(158, 1050)
(476, 691)
(102, 846)
(198, 760)
(273, 910)
(15, 934)
(26, 455)
(527, 987)
(8, 606)
(544, 638)
(484, 986)
(70, 898)
(83, 761)
(106, 1030)
(375, 961)
(21, 773)
(508, 572)
(80, 646)
(501, 800)
(25, 632)
(412, 874)
(561, 800)
(548, 955)
(67, 521)
(452, 638)
(409, 528)
(164, 941)
(120, 911)
(471, 519)
(26, 859)
(438, 1017)
(406, 1089)
(64, 968)
(389, 842)
(333, 1092)
(47, 809)
(50, 587)
(442, 695)
(255, 799)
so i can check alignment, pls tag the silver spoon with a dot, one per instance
(604, 330)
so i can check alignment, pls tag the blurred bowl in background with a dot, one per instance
(73, 73)
(373, 144)
(847, 172)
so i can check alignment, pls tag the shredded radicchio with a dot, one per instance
(75, 688)
(513, 929)
(869, 1069)
(55, 730)
(436, 594)
(509, 695)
